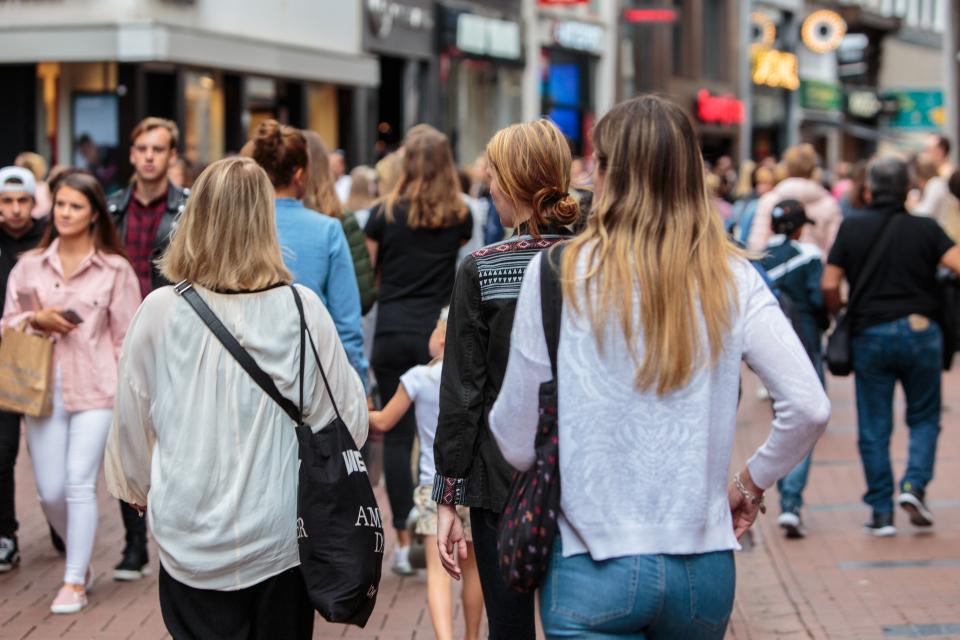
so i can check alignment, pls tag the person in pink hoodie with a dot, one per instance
(821, 207)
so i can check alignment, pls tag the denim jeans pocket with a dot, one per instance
(712, 580)
(592, 592)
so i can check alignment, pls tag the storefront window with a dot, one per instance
(715, 40)
(484, 97)
(204, 119)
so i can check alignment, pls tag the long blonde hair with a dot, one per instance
(226, 238)
(532, 163)
(319, 193)
(653, 230)
(429, 184)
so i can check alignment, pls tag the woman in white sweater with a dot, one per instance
(660, 309)
(199, 444)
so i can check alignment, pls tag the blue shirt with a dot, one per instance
(316, 252)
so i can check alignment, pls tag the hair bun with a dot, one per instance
(556, 205)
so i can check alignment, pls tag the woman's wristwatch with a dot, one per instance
(756, 501)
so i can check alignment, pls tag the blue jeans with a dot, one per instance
(641, 597)
(792, 485)
(882, 355)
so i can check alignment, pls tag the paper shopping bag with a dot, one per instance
(26, 368)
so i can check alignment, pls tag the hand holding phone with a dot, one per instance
(71, 316)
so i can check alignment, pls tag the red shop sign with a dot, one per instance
(719, 109)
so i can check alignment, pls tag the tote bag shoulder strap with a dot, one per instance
(316, 356)
(551, 301)
(186, 291)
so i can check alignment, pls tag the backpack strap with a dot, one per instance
(551, 301)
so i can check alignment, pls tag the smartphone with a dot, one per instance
(71, 316)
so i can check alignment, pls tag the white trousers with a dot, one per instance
(67, 451)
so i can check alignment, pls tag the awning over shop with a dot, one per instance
(156, 42)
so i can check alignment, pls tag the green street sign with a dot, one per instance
(822, 96)
(918, 109)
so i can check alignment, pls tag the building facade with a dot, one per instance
(86, 72)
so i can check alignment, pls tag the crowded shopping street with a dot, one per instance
(465, 319)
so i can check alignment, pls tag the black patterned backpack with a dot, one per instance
(528, 525)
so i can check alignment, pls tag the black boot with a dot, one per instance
(133, 565)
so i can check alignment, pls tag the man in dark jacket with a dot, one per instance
(145, 214)
(18, 233)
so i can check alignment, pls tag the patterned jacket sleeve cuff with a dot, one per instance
(448, 490)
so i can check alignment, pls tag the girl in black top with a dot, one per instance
(413, 237)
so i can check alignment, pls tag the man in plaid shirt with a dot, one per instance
(145, 214)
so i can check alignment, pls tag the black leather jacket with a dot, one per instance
(470, 467)
(118, 204)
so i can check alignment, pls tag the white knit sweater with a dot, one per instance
(642, 474)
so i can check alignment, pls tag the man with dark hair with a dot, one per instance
(19, 232)
(145, 214)
(937, 148)
(896, 336)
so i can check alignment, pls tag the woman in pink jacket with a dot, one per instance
(78, 287)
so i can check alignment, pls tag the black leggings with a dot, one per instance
(393, 355)
(9, 446)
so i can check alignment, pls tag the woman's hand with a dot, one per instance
(744, 511)
(50, 320)
(451, 540)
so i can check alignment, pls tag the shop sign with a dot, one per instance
(823, 31)
(864, 104)
(483, 36)
(919, 109)
(822, 96)
(580, 36)
(399, 27)
(778, 69)
(725, 110)
(384, 15)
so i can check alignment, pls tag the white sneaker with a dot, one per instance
(792, 525)
(401, 562)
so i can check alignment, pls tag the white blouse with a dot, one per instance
(642, 474)
(210, 454)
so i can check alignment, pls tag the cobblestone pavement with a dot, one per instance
(837, 583)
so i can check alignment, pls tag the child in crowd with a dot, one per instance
(794, 269)
(420, 386)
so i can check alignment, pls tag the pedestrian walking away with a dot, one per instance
(144, 214)
(651, 343)
(19, 232)
(897, 336)
(794, 269)
(77, 285)
(800, 163)
(420, 387)
(314, 246)
(529, 167)
(413, 236)
(222, 499)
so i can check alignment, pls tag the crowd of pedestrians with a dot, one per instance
(428, 291)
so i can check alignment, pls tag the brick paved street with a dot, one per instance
(838, 583)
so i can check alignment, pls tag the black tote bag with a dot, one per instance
(339, 528)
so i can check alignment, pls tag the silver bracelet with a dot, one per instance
(752, 499)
